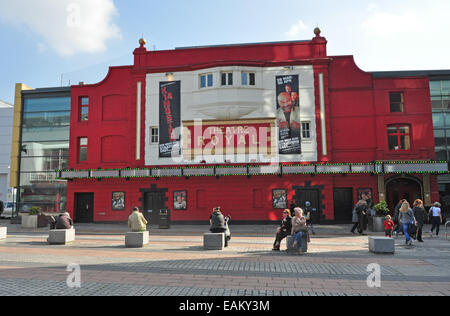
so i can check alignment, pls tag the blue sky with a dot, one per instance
(79, 39)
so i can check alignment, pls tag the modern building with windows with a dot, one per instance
(248, 127)
(440, 102)
(40, 146)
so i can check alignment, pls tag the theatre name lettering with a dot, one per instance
(227, 138)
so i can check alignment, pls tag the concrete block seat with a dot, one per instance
(290, 242)
(381, 245)
(136, 239)
(214, 241)
(61, 236)
(3, 232)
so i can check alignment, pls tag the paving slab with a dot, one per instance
(175, 264)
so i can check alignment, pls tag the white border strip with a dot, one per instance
(138, 121)
(322, 115)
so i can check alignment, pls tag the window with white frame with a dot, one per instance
(154, 135)
(206, 80)
(306, 130)
(227, 78)
(82, 149)
(248, 78)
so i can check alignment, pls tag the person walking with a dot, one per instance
(309, 217)
(355, 219)
(283, 230)
(398, 227)
(388, 226)
(406, 219)
(361, 211)
(227, 231)
(421, 216)
(436, 218)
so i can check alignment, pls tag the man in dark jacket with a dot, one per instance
(217, 221)
(64, 222)
(284, 230)
(421, 216)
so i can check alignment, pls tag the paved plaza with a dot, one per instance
(175, 264)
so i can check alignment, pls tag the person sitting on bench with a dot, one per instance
(217, 222)
(284, 230)
(137, 221)
(64, 222)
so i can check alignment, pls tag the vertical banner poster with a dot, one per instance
(288, 114)
(169, 119)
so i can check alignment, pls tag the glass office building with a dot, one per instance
(44, 148)
(440, 102)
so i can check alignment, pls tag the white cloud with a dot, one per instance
(405, 37)
(65, 26)
(297, 30)
(42, 48)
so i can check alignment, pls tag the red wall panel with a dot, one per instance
(236, 195)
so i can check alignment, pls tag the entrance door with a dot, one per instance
(84, 207)
(312, 196)
(402, 188)
(154, 202)
(343, 204)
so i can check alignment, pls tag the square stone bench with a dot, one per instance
(213, 241)
(290, 242)
(381, 245)
(61, 236)
(136, 239)
(3, 232)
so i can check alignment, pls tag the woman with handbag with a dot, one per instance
(407, 219)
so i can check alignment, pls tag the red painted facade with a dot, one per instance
(357, 115)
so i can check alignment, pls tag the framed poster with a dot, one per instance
(180, 200)
(118, 201)
(288, 114)
(279, 198)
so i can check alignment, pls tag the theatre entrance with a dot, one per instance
(399, 188)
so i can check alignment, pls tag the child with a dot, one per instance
(388, 226)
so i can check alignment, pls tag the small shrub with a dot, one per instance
(381, 209)
(35, 210)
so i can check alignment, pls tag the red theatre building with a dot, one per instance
(250, 128)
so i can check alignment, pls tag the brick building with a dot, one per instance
(249, 127)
